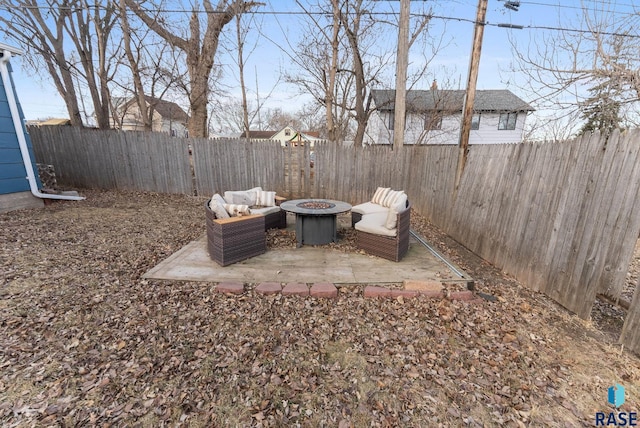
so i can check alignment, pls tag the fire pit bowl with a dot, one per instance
(315, 205)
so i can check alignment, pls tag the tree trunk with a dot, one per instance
(200, 50)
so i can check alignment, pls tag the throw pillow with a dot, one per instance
(380, 194)
(219, 199)
(400, 204)
(240, 197)
(237, 210)
(392, 219)
(266, 199)
(389, 198)
(218, 209)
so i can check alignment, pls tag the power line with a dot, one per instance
(371, 13)
(564, 6)
(532, 27)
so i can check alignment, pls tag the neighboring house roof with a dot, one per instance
(260, 135)
(451, 100)
(11, 49)
(53, 121)
(166, 109)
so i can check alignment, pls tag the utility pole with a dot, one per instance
(402, 62)
(467, 109)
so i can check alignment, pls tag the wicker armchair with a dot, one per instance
(392, 248)
(230, 240)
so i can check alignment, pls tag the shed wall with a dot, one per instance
(13, 174)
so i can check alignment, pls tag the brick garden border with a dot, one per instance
(412, 289)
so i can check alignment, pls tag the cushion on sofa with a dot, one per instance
(380, 194)
(240, 197)
(237, 210)
(217, 207)
(264, 210)
(218, 198)
(390, 198)
(265, 199)
(369, 208)
(392, 220)
(374, 223)
(400, 204)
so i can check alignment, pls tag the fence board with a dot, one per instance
(630, 331)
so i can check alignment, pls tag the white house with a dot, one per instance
(435, 116)
(168, 117)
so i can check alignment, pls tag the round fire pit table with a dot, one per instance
(316, 219)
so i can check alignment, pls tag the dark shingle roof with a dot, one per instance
(168, 110)
(451, 100)
(261, 135)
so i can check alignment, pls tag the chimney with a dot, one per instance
(434, 85)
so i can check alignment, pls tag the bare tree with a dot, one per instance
(199, 45)
(44, 37)
(150, 70)
(240, 38)
(133, 59)
(601, 49)
(345, 55)
(71, 38)
(90, 26)
(228, 115)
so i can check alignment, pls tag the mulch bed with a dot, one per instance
(84, 340)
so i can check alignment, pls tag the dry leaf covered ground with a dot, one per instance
(84, 341)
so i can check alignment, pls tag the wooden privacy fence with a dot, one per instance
(560, 217)
(159, 163)
(114, 159)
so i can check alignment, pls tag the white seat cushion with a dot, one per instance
(375, 223)
(264, 210)
(369, 208)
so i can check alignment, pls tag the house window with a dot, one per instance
(475, 121)
(287, 132)
(392, 119)
(507, 121)
(432, 121)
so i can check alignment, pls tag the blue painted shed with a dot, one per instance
(15, 189)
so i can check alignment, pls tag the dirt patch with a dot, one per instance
(85, 341)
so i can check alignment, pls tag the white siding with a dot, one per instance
(488, 133)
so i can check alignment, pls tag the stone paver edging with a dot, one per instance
(412, 289)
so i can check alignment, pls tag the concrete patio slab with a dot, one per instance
(305, 265)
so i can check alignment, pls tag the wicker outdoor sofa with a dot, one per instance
(236, 231)
(262, 202)
(382, 224)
